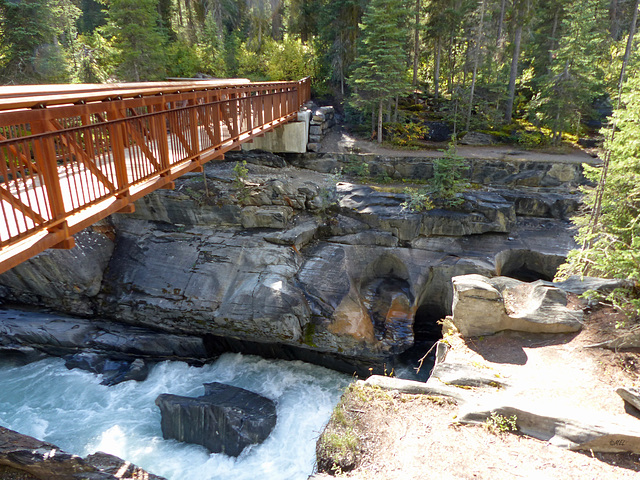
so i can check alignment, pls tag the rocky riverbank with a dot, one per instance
(504, 400)
(296, 260)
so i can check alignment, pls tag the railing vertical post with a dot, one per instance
(249, 108)
(215, 118)
(45, 157)
(162, 137)
(118, 141)
(88, 134)
(268, 107)
(233, 113)
(260, 109)
(194, 132)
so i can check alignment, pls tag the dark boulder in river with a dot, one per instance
(225, 419)
(112, 371)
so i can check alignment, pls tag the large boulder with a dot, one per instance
(484, 306)
(225, 419)
(477, 138)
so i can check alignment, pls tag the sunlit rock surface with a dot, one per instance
(301, 264)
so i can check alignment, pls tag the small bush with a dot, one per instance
(407, 134)
(240, 176)
(448, 180)
(497, 423)
(356, 168)
(533, 139)
(418, 200)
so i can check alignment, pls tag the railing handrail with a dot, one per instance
(58, 163)
(21, 97)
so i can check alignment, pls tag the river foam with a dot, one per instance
(72, 410)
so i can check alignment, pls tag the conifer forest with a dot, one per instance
(535, 73)
(483, 64)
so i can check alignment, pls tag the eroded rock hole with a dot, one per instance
(527, 265)
(425, 326)
(427, 330)
(389, 302)
(526, 274)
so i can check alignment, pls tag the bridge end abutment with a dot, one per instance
(291, 137)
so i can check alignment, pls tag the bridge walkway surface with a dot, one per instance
(71, 155)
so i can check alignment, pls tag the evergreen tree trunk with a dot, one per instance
(514, 73)
(436, 73)
(416, 51)
(475, 65)
(373, 121)
(500, 24)
(554, 30)
(627, 51)
(380, 122)
(614, 16)
(395, 111)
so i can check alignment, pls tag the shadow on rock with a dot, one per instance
(508, 347)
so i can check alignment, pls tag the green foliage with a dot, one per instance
(418, 200)
(444, 187)
(34, 39)
(576, 73)
(97, 63)
(381, 62)
(448, 180)
(529, 139)
(240, 178)
(183, 60)
(383, 177)
(212, 49)
(357, 168)
(240, 174)
(337, 39)
(51, 63)
(610, 243)
(497, 423)
(134, 27)
(407, 134)
(353, 49)
(289, 60)
(251, 64)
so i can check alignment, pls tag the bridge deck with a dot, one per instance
(64, 167)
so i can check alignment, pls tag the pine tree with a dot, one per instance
(576, 73)
(382, 60)
(612, 248)
(135, 27)
(32, 40)
(338, 38)
(212, 48)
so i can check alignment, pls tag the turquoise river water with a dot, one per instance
(72, 410)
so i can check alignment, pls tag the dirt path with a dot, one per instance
(416, 437)
(338, 140)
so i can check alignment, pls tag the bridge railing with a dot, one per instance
(59, 162)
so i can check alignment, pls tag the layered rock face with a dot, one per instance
(22, 456)
(299, 263)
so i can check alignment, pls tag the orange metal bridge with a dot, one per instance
(71, 155)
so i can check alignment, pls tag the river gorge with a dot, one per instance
(300, 262)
